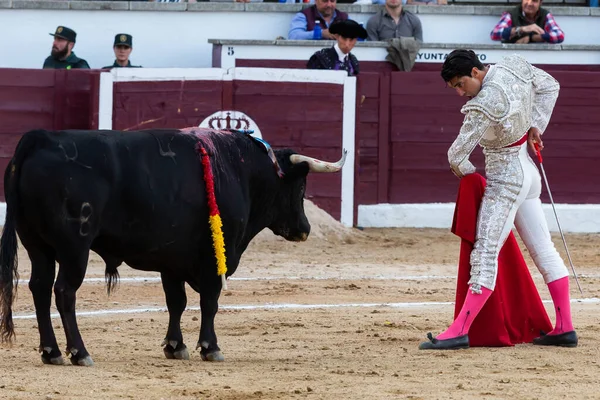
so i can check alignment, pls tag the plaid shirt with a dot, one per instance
(553, 32)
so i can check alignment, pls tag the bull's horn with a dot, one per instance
(316, 165)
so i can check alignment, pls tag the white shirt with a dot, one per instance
(341, 55)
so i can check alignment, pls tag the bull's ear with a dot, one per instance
(296, 171)
(290, 170)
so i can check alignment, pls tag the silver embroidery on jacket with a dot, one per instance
(515, 96)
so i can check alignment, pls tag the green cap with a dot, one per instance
(65, 33)
(123, 39)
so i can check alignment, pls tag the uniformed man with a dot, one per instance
(339, 57)
(122, 47)
(62, 55)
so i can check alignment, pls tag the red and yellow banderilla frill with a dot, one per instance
(214, 217)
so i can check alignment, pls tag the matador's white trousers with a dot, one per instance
(512, 196)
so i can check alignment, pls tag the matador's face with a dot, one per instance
(468, 85)
(346, 44)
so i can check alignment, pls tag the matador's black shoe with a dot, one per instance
(459, 342)
(567, 339)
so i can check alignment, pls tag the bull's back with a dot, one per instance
(159, 192)
(131, 193)
(64, 183)
(98, 182)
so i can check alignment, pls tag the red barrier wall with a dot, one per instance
(405, 124)
(425, 119)
(408, 120)
(42, 99)
(306, 117)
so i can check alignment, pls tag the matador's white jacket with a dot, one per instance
(514, 97)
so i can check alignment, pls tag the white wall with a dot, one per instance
(179, 39)
(232, 51)
(581, 218)
(160, 39)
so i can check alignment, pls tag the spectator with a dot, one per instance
(339, 57)
(382, 2)
(122, 47)
(313, 22)
(427, 2)
(527, 23)
(62, 55)
(393, 22)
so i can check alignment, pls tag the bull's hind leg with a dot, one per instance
(70, 277)
(40, 285)
(209, 305)
(176, 302)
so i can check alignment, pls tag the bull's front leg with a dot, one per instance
(176, 302)
(209, 305)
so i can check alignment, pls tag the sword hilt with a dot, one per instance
(537, 152)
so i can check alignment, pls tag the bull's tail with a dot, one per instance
(8, 257)
(9, 276)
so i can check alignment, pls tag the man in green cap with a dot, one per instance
(62, 55)
(122, 47)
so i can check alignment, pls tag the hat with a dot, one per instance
(348, 29)
(123, 39)
(65, 33)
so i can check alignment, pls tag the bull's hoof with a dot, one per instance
(176, 354)
(81, 358)
(52, 360)
(175, 350)
(51, 356)
(213, 356)
(83, 362)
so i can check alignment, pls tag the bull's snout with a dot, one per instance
(295, 235)
(300, 238)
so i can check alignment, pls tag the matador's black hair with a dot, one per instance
(460, 63)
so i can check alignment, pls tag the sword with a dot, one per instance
(539, 156)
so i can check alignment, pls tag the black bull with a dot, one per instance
(140, 198)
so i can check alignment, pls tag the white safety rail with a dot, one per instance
(424, 279)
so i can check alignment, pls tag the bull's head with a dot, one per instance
(291, 222)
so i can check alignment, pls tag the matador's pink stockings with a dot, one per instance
(559, 290)
(473, 304)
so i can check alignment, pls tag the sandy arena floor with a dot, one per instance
(320, 329)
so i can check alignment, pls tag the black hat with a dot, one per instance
(65, 33)
(348, 29)
(123, 39)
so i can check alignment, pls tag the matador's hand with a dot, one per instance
(535, 137)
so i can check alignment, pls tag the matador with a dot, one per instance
(510, 106)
